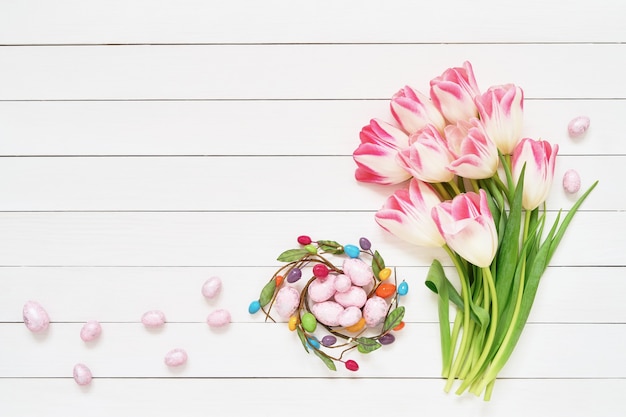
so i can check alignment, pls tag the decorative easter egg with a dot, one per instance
(384, 274)
(175, 357)
(385, 290)
(326, 312)
(293, 323)
(358, 271)
(350, 316)
(218, 318)
(304, 240)
(578, 125)
(212, 287)
(365, 244)
(329, 340)
(351, 365)
(320, 271)
(286, 302)
(355, 296)
(153, 318)
(322, 289)
(342, 283)
(387, 339)
(90, 331)
(375, 311)
(82, 374)
(309, 322)
(313, 342)
(352, 251)
(254, 307)
(403, 288)
(294, 275)
(35, 317)
(571, 181)
(357, 327)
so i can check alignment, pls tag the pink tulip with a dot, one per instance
(501, 110)
(413, 110)
(427, 156)
(540, 158)
(376, 155)
(406, 214)
(476, 154)
(468, 227)
(453, 93)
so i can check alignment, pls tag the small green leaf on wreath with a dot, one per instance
(303, 339)
(291, 255)
(330, 246)
(328, 361)
(367, 344)
(378, 264)
(267, 293)
(393, 319)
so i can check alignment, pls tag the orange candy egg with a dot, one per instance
(358, 326)
(385, 290)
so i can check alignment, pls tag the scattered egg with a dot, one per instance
(578, 125)
(175, 357)
(82, 374)
(571, 181)
(153, 318)
(218, 318)
(212, 287)
(35, 316)
(90, 331)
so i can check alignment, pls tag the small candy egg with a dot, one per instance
(364, 243)
(311, 249)
(403, 288)
(385, 290)
(375, 311)
(578, 125)
(322, 290)
(350, 316)
(357, 327)
(294, 275)
(358, 271)
(571, 181)
(279, 280)
(254, 307)
(304, 240)
(313, 342)
(351, 365)
(35, 316)
(387, 339)
(342, 283)
(293, 323)
(218, 318)
(175, 357)
(309, 323)
(355, 296)
(352, 251)
(82, 374)
(212, 287)
(399, 327)
(384, 274)
(153, 318)
(329, 340)
(320, 271)
(90, 331)
(327, 312)
(286, 302)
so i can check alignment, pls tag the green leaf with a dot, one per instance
(291, 255)
(302, 337)
(393, 319)
(367, 344)
(330, 246)
(330, 364)
(267, 293)
(436, 280)
(378, 264)
(436, 286)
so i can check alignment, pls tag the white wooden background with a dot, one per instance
(148, 145)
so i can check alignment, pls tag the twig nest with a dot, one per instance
(90, 331)
(175, 357)
(212, 287)
(355, 296)
(342, 283)
(35, 316)
(571, 181)
(82, 374)
(350, 316)
(153, 318)
(358, 271)
(327, 312)
(322, 289)
(375, 310)
(218, 318)
(286, 302)
(578, 125)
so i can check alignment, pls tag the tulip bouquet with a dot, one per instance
(475, 188)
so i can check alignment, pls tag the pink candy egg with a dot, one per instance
(218, 318)
(342, 283)
(327, 312)
(82, 374)
(578, 125)
(322, 289)
(375, 311)
(153, 318)
(212, 287)
(35, 317)
(286, 302)
(349, 316)
(175, 357)
(358, 271)
(571, 181)
(90, 331)
(355, 296)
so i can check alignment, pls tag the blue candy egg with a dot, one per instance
(254, 307)
(352, 251)
(403, 288)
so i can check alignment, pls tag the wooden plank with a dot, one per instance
(79, 294)
(71, 21)
(300, 127)
(246, 238)
(300, 71)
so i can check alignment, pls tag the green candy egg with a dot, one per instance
(309, 323)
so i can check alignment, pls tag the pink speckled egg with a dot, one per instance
(322, 289)
(375, 311)
(212, 287)
(35, 316)
(350, 316)
(571, 181)
(175, 357)
(90, 331)
(286, 301)
(327, 312)
(82, 374)
(342, 283)
(355, 296)
(153, 318)
(578, 125)
(218, 318)
(358, 271)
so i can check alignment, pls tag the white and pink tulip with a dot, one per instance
(476, 154)
(539, 156)
(501, 110)
(427, 157)
(414, 110)
(454, 91)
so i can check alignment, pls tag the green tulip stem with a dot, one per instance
(455, 187)
(493, 323)
(443, 193)
(475, 185)
(466, 317)
(456, 328)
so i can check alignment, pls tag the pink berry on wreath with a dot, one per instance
(320, 271)
(304, 240)
(351, 365)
